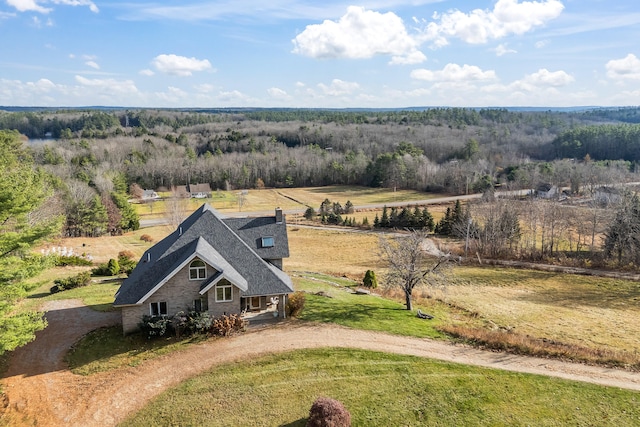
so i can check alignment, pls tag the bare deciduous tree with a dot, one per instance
(177, 208)
(410, 265)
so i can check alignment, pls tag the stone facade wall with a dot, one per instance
(179, 293)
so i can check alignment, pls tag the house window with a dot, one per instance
(268, 242)
(197, 270)
(201, 305)
(158, 308)
(224, 293)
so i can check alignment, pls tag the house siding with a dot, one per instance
(179, 293)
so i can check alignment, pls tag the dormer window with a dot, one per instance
(197, 270)
(268, 242)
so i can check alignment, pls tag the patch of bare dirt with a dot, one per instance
(42, 391)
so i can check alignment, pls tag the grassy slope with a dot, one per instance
(384, 390)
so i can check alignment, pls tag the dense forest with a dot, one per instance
(96, 155)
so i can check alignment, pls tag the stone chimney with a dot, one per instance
(279, 216)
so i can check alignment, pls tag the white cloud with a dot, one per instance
(454, 73)
(502, 49)
(146, 72)
(544, 77)
(36, 5)
(108, 85)
(28, 6)
(480, 26)
(627, 68)
(179, 65)
(92, 7)
(278, 93)
(339, 87)
(359, 34)
(204, 88)
(92, 64)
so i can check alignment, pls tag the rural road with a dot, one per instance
(41, 391)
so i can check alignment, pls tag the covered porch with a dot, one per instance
(263, 307)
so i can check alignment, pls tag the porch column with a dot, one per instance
(282, 302)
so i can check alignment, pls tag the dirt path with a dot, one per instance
(41, 391)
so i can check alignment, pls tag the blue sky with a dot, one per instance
(337, 54)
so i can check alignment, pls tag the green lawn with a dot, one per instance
(369, 312)
(384, 390)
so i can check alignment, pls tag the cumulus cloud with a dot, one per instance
(339, 87)
(480, 26)
(544, 77)
(278, 93)
(92, 64)
(502, 49)
(109, 85)
(627, 68)
(179, 65)
(37, 5)
(454, 73)
(359, 34)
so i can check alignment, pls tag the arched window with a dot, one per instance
(197, 270)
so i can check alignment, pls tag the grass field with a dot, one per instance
(384, 390)
(287, 198)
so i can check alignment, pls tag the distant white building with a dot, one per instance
(546, 191)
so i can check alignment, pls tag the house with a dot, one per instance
(196, 191)
(546, 191)
(210, 263)
(148, 195)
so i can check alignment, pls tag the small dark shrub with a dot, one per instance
(155, 326)
(191, 322)
(310, 213)
(327, 412)
(82, 279)
(295, 304)
(227, 325)
(146, 238)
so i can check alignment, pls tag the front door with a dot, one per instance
(254, 303)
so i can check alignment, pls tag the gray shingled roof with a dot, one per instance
(252, 230)
(222, 243)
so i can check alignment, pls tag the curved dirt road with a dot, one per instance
(41, 391)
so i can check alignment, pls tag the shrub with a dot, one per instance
(127, 261)
(113, 266)
(82, 279)
(370, 281)
(227, 325)
(75, 260)
(191, 322)
(155, 326)
(146, 238)
(310, 213)
(327, 412)
(295, 304)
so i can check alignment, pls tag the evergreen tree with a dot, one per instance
(370, 281)
(426, 219)
(23, 191)
(384, 220)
